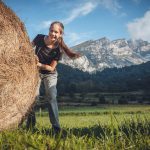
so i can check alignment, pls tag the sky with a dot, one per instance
(86, 19)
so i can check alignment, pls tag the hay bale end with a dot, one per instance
(18, 71)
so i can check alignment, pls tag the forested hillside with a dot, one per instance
(131, 78)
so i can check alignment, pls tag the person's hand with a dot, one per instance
(39, 64)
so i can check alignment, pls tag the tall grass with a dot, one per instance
(131, 133)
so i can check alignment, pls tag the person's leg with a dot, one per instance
(42, 89)
(50, 82)
(31, 120)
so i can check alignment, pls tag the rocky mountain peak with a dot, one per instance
(103, 53)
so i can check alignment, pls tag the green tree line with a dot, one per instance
(127, 79)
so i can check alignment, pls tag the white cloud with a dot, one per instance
(84, 9)
(42, 26)
(137, 1)
(73, 38)
(140, 27)
(111, 5)
(45, 24)
(81, 10)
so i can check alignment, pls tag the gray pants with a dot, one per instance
(47, 86)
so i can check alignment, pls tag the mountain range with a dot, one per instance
(103, 53)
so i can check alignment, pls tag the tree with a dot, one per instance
(102, 99)
(123, 100)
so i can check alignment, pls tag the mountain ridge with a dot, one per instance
(103, 53)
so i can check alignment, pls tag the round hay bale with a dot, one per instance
(18, 71)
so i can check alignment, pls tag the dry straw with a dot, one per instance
(18, 71)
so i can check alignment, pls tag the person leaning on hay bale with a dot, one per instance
(49, 49)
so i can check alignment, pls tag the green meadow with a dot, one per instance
(108, 127)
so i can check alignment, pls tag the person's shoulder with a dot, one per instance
(39, 40)
(40, 35)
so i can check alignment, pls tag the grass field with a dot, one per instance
(86, 128)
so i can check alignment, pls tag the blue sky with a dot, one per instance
(86, 19)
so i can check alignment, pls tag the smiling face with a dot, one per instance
(55, 32)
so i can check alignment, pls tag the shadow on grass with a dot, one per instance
(98, 131)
